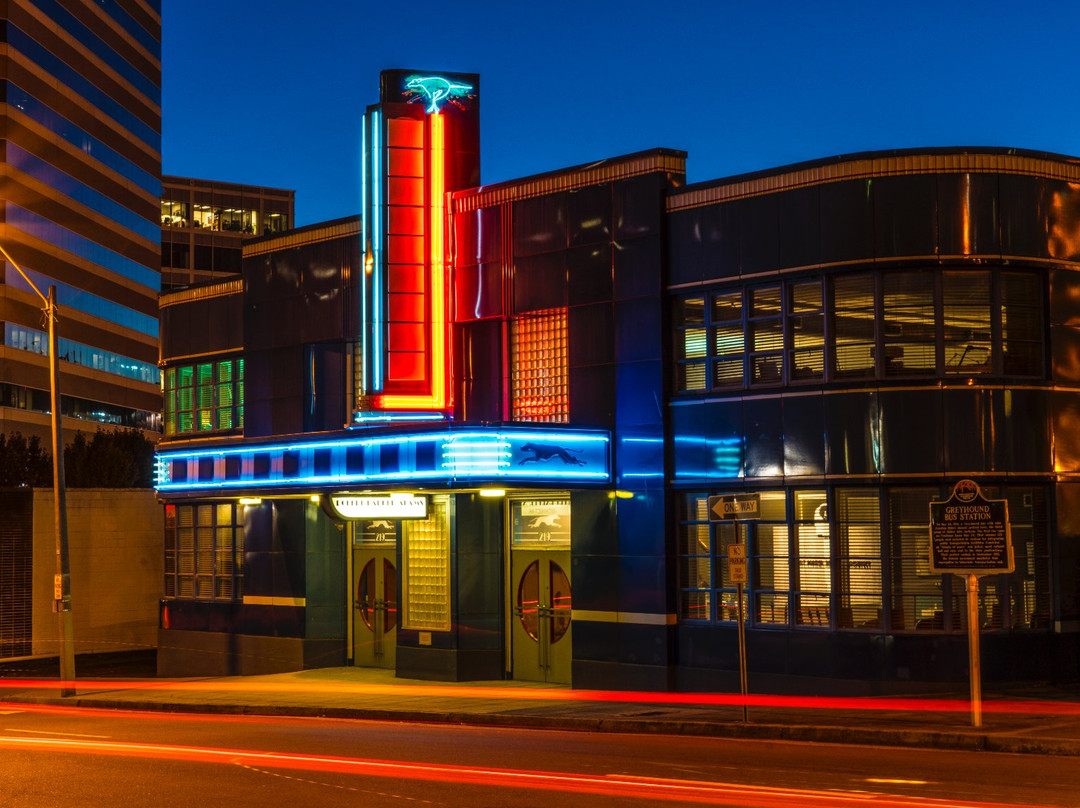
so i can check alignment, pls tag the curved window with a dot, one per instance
(59, 236)
(27, 339)
(70, 187)
(861, 325)
(857, 558)
(83, 86)
(84, 142)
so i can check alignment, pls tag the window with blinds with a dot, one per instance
(861, 325)
(813, 555)
(854, 326)
(206, 397)
(857, 524)
(765, 333)
(806, 324)
(204, 551)
(909, 341)
(857, 558)
(966, 302)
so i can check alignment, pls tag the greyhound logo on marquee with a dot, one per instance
(542, 452)
(435, 90)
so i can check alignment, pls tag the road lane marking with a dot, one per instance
(60, 734)
(894, 781)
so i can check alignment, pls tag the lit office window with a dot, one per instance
(425, 558)
(765, 332)
(540, 386)
(966, 311)
(1022, 599)
(769, 560)
(692, 344)
(806, 325)
(813, 552)
(854, 326)
(204, 551)
(912, 323)
(917, 596)
(174, 214)
(909, 335)
(1021, 324)
(696, 558)
(858, 549)
(729, 346)
(834, 576)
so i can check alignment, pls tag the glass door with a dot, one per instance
(540, 595)
(375, 588)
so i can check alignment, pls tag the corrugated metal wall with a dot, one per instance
(16, 565)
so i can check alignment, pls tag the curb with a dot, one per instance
(856, 736)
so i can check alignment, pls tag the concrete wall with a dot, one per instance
(115, 558)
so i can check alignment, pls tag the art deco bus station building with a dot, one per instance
(472, 433)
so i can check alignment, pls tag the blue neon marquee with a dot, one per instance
(448, 456)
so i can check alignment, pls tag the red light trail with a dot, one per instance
(894, 704)
(643, 788)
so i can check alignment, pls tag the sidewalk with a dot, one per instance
(1035, 720)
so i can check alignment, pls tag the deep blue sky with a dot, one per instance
(270, 92)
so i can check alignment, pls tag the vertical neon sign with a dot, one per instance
(366, 257)
(406, 355)
(377, 346)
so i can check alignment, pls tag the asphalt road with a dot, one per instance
(65, 757)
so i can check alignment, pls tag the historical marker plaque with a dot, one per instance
(969, 534)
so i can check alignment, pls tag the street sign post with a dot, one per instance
(970, 536)
(732, 508)
(738, 572)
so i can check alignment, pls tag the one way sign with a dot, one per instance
(734, 506)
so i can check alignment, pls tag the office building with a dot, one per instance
(80, 192)
(204, 224)
(81, 189)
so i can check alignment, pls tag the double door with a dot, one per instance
(540, 622)
(375, 606)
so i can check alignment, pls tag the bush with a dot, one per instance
(120, 459)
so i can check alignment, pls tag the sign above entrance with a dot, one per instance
(969, 534)
(540, 522)
(380, 506)
(734, 506)
(469, 457)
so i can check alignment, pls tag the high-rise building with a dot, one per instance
(204, 224)
(80, 194)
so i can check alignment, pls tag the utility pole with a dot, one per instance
(62, 582)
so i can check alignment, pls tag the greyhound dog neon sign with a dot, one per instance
(436, 90)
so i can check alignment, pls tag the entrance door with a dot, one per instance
(375, 601)
(540, 633)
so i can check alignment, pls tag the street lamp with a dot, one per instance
(62, 584)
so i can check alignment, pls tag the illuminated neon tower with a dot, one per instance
(421, 141)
